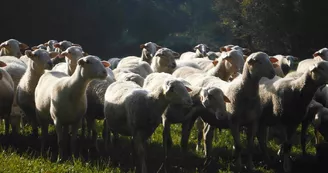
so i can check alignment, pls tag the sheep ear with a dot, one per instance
(175, 54)
(142, 46)
(188, 89)
(85, 54)
(81, 62)
(3, 64)
(273, 59)
(23, 46)
(2, 45)
(105, 63)
(223, 49)
(158, 47)
(57, 45)
(226, 99)
(46, 44)
(63, 54)
(215, 62)
(246, 51)
(196, 47)
(317, 54)
(34, 48)
(29, 54)
(53, 54)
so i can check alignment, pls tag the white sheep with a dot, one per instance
(50, 45)
(284, 102)
(113, 62)
(148, 51)
(125, 117)
(6, 96)
(200, 52)
(286, 63)
(210, 99)
(12, 47)
(72, 55)
(126, 75)
(39, 61)
(320, 55)
(66, 103)
(60, 47)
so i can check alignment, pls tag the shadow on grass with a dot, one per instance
(222, 159)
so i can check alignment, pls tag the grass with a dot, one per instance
(22, 155)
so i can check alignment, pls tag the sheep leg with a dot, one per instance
(60, 141)
(83, 128)
(94, 134)
(290, 131)
(305, 125)
(186, 130)
(105, 135)
(7, 125)
(139, 144)
(208, 139)
(89, 129)
(167, 141)
(262, 138)
(317, 136)
(236, 136)
(215, 135)
(44, 138)
(74, 130)
(200, 127)
(251, 132)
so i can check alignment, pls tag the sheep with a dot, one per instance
(286, 63)
(209, 98)
(243, 93)
(125, 117)
(142, 68)
(66, 103)
(50, 45)
(39, 61)
(164, 61)
(114, 62)
(60, 47)
(40, 46)
(200, 52)
(12, 47)
(72, 55)
(284, 103)
(6, 96)
(320, 55)
(129, 76)
(148, 51)
(317, 115)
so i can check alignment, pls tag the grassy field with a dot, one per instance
(22, 155)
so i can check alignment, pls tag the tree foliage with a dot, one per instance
(115, 27)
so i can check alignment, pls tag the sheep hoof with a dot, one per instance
(287, 164)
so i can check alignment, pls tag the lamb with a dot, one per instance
(317, 115)
(320, 55)
(125, 117)
(66, 103)
(6, 96)
(284, 103)
(114, 62)
(209, 98)
(12, 47)
(39, 61)
(72, 55)
(200, 52)
(40, 46)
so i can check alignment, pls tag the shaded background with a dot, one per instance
(115, 28)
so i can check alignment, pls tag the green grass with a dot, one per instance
(12, 159)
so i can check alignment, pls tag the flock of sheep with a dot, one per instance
(58, 83)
